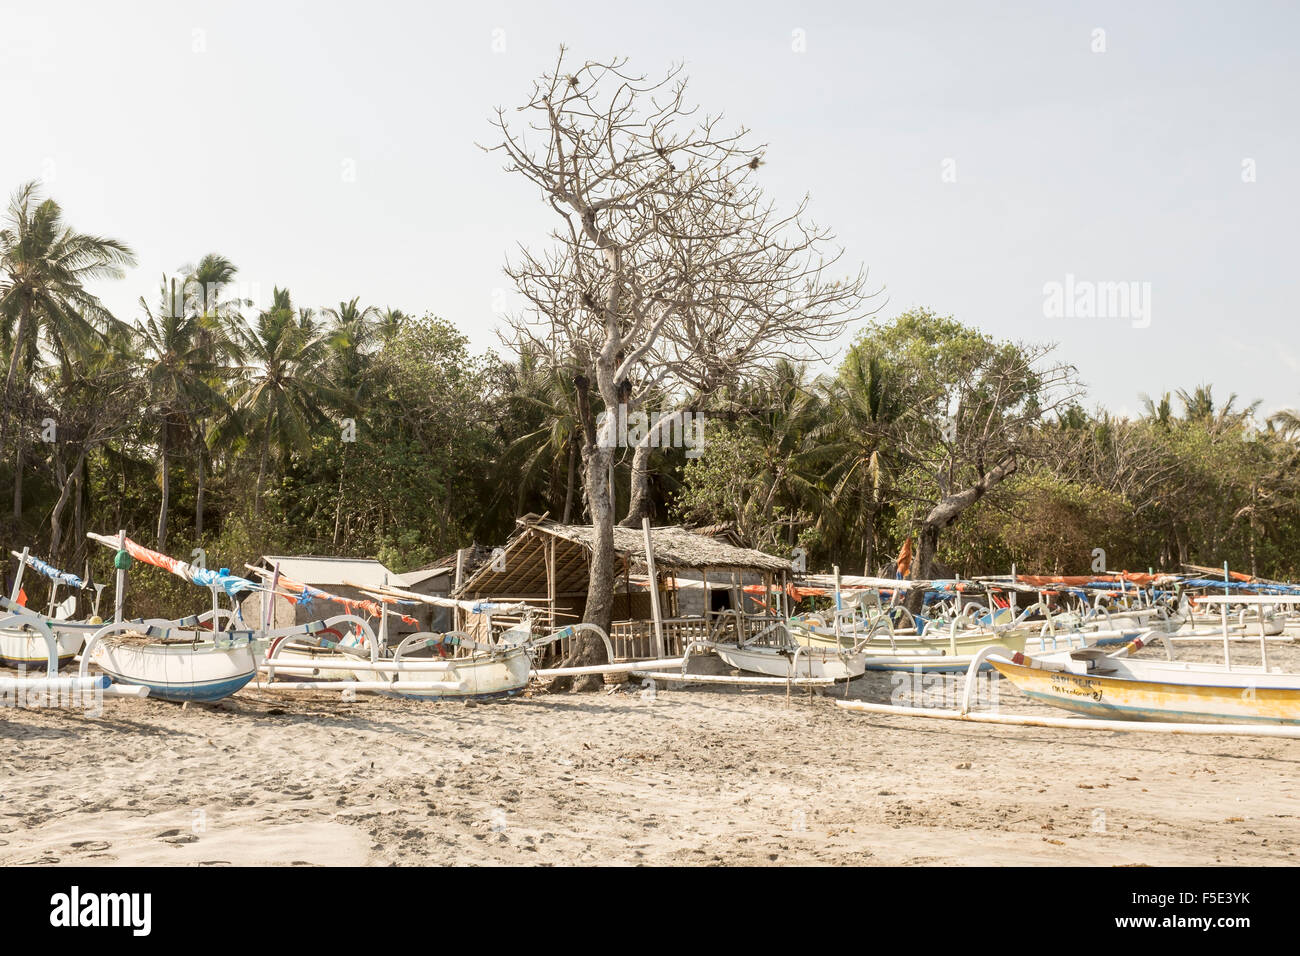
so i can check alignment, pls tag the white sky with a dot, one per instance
(184, 128)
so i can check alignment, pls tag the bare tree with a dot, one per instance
(670, 273)
(975, 407)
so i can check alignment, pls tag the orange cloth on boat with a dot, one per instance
(373, 608)
(1035, 580)
(905, 559)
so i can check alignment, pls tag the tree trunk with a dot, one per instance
(945, 513)
(166, 488)
(198, 498)
(67, 484)
(261, 475)
(639, 504)
(573, 466)
(20, 336)
(1254, 500)
(79, 513)
(20, 457)
(604, 562)
(338, 502)
(603, 567)
(869, 544)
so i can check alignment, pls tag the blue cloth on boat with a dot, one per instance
(53, 573)
(232, 584)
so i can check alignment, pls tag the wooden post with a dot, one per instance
(460, 577)
(1227, 656)
(550, 579)
(1011, 595)
(120, 595)
(654, 589)
(268, 609)
(18, 578)
(839, 603)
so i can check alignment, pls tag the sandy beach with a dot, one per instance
(683, 775)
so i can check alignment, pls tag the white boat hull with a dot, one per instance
(322, 664)
(478, 678)
(20, 647)
(779, 662)
(179, 672)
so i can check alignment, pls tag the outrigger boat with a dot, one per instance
(470, 668)
(427, 665)
(26, 635)
(1100, 684)
(177, 660)
(776, 652)
(33, 641)
(326, 655)
(863, 624)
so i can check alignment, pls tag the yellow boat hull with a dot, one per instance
(1127, 699)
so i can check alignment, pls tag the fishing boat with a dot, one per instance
(470, 669)
(316, 657)
(817, 663)
(775, 651)
(200, 658)
(33, 641)
(176, 664)
(30, 642)
(424, 665)
(1113, 684)
(1099, 684)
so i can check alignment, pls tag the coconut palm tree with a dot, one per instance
(1161, 412)
(282, 387)
(787, 411)
(543, 400)
(390, 322)
(353, 333)
(1199, 406)
(179, 375)
(44, 265)
(216, 316)
(864, 408)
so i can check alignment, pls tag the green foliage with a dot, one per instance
(366, 431)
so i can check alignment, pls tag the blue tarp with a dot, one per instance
(232, 584)
(36, 564)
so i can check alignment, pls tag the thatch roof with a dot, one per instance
(675, 549)
(723, 532)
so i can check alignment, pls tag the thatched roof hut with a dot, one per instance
(521, 570)
(548, 563)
